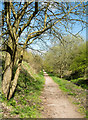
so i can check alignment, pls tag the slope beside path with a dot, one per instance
(56, 104)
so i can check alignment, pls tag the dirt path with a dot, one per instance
(56, 104)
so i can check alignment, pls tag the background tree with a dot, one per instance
(79, 62)
(69, 57)
(24, 22)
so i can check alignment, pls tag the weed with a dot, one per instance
(76, 103)
(26, 102)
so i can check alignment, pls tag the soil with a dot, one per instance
(56, 103)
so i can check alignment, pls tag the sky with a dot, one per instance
(76, 28)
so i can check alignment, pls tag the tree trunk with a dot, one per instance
(7, 75)
(9, 84)
(14, 81)
(9, 79)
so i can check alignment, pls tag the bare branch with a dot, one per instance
(29, 20)
(46, 15)
(13, 10)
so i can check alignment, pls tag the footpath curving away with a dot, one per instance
(56, 104)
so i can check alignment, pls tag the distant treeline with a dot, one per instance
(68, 59)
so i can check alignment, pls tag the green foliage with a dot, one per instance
(66, 59)
(37, 62)
(26, 101)
(86, 113)
(79, 62)
(81, 82)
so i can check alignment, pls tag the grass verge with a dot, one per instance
(26, 101)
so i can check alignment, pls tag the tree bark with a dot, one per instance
(7, 75)
(9, 81)
(14, 81)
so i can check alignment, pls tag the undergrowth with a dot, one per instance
(26, 101)
(81, 82)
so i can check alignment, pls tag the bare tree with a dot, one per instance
(23, 23)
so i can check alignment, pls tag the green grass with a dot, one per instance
(76, 93)
(26, 101)
(87, 114)
(65, 85)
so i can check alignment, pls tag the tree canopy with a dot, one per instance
(25, 23)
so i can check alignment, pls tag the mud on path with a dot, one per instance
(56, 104)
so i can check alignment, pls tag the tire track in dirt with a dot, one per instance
(56, 104)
